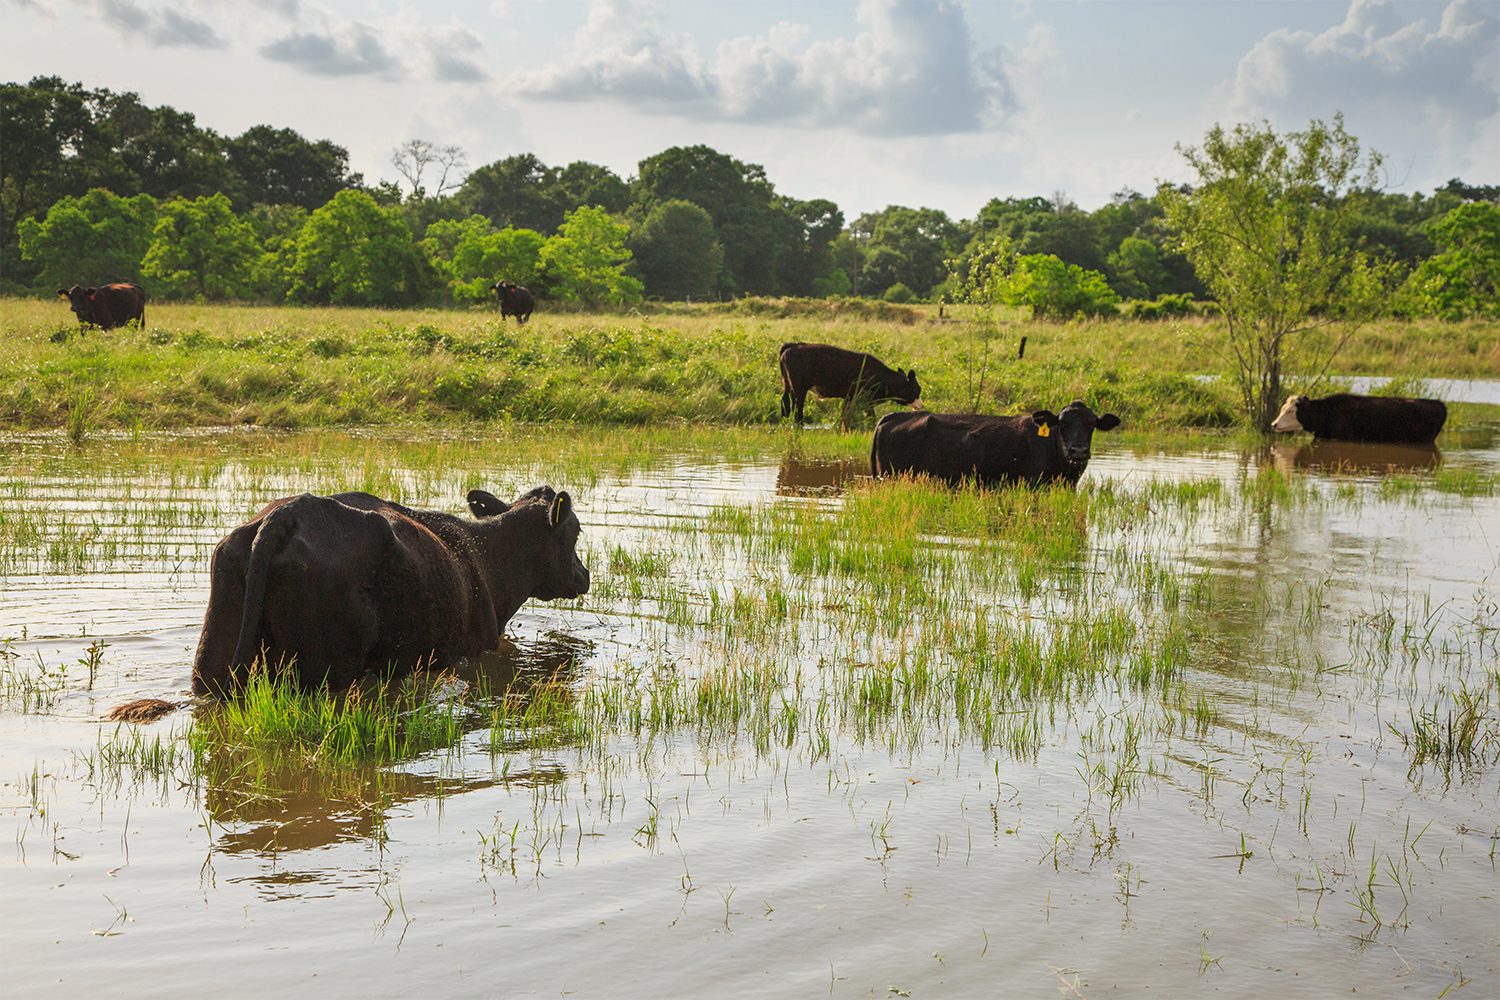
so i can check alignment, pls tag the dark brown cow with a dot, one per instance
(108, 306)
(1347, 417)
(1040, 447)
(514, 300)
(835, 373)
(338, 586)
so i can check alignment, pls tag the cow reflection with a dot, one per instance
(800, 477)
(1358, 457)
(299, 807)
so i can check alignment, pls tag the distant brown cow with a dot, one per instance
(107, 306)
(835, 373)
(514, 300)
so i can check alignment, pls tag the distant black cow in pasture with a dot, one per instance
(107, 306)
(858, 379)
(1347, 417)
(338, 586)
(514, 300)
(1040, 447)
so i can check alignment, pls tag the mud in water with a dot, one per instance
(1257, 823)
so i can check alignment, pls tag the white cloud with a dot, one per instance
(325, 43)
(913, 71)
(1390, 77)
(160, 28)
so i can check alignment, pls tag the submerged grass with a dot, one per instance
(377, 722)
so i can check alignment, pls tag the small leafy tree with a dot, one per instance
(1464, 280)
(1269, 229)
(353, 252)
(471, 255)
(92, 240)
(199, 248)
(587, 258)
(677, 252)
(1055, 290)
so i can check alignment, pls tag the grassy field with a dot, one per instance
(204, 365)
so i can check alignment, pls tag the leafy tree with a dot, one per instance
(581, 183)
(909, 246)
(472, 256)
(676, 252)
(93, 240)
(199, 248)
(54, 147)
(170, 156)
(1269, 228)
(1056, 290)
(836, 283)
(276, 229)
(1464, 280)
(515, 191)
(587, 259)
(751, 224)
(353, 252)
(277, 166)
(1137, 268)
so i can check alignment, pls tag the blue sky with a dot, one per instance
(868, 103)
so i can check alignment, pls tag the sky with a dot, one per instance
(868, 103)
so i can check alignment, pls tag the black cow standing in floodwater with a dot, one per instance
(514, 300)
(835, 373)
(107, 306)
(351, 583)
(1347, 417)
(1040, 447)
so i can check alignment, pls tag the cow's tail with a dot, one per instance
(875, 453)
(270, 539)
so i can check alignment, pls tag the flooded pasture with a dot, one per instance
(1220, 721)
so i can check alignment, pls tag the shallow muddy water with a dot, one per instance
(1223, 799)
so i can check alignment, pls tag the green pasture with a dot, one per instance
(210, 365)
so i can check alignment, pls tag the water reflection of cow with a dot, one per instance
(1357, 456)
(805, 478)
(300, 808)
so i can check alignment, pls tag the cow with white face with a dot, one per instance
(1347, 417)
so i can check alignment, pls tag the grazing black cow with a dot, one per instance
(351, 583)
(1347, 417)
(835, 373)
(1040, 447)
(514, 300)
(107, 306)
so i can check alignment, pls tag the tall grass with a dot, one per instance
(201, 365)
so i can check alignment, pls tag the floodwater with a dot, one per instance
(1287, 845)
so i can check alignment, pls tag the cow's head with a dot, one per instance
(1287, 420)
(912, 391)
(79, 299)
(551, 538)
(1074, 429)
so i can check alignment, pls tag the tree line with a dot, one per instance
(97, 187)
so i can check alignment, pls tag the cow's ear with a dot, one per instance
(1044, 418)
(484, 504)
(1108, 422)
(561, 507)
(63, 292)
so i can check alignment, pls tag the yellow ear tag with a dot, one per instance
(1043, 430)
